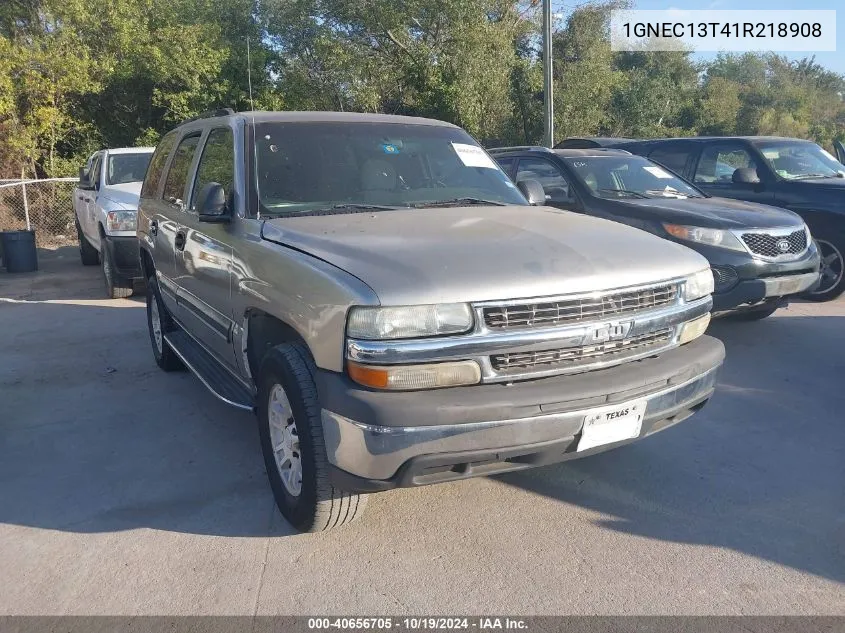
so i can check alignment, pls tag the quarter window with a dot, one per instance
(177, 176)
(157, 163)
(554, 184)
(674, 158)
(718, 163)
(217, 163)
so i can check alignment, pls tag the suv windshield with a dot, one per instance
(795, 160)
(307, 167)
(629, 177)
(123, 168)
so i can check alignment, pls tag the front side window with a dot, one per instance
(719, 162)
(797, 160)
(157, 163)
(123, 168)
(310, 167)
(177, 176)
(217, 163)
(547, 174)
(621, 177)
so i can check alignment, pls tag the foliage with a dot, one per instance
(73, 79)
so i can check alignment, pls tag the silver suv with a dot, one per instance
(398, 313)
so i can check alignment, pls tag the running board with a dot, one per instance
(215, 378)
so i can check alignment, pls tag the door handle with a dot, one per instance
(180, 241)
(153, 227)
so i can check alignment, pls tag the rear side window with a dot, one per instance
(507, 165)
(718, 163)
(217, 163)
(673, 158)
(177, 175)
(156, 168)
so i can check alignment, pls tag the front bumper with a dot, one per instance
(469, 431)
(752, 280)
(125, 256)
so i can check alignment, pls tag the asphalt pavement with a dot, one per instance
(125, 490)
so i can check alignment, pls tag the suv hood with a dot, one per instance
(416, 256)
(715, 213)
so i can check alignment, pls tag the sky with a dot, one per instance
(831, 60)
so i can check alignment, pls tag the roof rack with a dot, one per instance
(210, 114)
(520, 148)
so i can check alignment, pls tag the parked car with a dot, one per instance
(384, 298)
(105, 204)
(760, 255)
(784, 172)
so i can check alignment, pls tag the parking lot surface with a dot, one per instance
(124, 490)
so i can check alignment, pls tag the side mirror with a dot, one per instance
(211, 204)
(746, 176)
(84, 181)
(533, 191)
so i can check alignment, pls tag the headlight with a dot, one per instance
(121, 220)
(380, 323)
(700, 235)
(698, 285)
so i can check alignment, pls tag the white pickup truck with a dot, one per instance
(106, 206)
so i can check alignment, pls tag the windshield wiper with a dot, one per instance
(336, 209)
(807, 176)
(672, 193)
(363, 207)
(636, 194)
(456, 202)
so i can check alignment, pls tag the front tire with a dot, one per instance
(831, 245)
(116, 286)
(292, 442)
(159, 323)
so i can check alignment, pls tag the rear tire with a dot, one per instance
(87, 253)
(831, 245)
(160, 323)
(116, 286)
(755, 314)
(291, 433)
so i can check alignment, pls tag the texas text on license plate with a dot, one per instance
(612, 424)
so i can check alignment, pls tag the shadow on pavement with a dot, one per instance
(760, 470)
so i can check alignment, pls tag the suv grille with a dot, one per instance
(553, 358)
(774, 245)
(552, 313)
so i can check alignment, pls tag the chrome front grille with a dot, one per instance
(773, 245)
(587, 308)
(573, 357)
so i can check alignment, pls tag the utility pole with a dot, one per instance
(548, 99)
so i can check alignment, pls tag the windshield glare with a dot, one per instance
(800, 160)
(621, 177)
(304, 167)
(123, 168)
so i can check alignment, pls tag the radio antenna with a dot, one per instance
(249, 74)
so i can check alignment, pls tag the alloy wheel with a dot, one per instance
(832, 266)
(284, 438)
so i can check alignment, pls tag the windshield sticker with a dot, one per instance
(657, 172)
(390, 148)
(473, 156)
(771, 154)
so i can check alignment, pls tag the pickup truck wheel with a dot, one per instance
(87, 253)
(159, 323)
(291, 434)
(116, 286)
(831, 247)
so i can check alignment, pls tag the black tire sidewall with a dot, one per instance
(276, 369)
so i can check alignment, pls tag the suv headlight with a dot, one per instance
(396, 322)
(701, 235)
(121, 220)
(699, 285)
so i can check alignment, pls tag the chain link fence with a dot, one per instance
(45, 206)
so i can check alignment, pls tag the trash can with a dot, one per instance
(19, 254)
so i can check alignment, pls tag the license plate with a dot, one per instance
(781, 287)
(612, 424)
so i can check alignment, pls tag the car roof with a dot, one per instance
(131, 150)
(296, 116)
(592, 151)
(592, 141)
